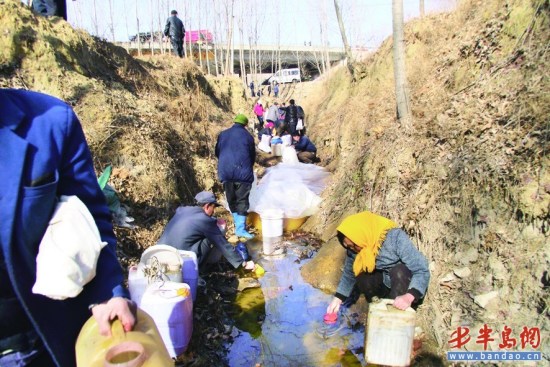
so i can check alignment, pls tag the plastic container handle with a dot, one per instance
(117, 330)
(390, 302)
(127, 354)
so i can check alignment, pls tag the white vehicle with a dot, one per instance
(286, 76)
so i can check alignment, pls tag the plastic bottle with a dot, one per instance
(141, 347)
(243, 251)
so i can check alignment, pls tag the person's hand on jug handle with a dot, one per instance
(403, 302)
(116, 307)
(249, 265)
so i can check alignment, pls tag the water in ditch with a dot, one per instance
(281, 323)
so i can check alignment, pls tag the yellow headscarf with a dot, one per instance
(368, 231)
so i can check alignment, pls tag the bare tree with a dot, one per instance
(217, 36)
(111, 24)
(240, 25)
(207, 40)
(401, 87)
(95, 21)
(347, 48)
(324, 36)
(422, 9)
(199, 41)
(229, 7)
(138, 39)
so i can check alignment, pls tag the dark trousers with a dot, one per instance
(307, 157)
(237, 194)
(177, 46)
(260, 122)
(292, 127)
(372, 284)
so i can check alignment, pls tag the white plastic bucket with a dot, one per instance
(272, 231)
(277, 150)
(168, 257)
(172, 313)
(390, 334)
(190, 270)
(272, 223)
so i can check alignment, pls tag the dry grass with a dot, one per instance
(473, 173)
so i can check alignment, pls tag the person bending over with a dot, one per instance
(381, 261)
(193, 228)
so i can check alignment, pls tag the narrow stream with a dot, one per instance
(292, 333)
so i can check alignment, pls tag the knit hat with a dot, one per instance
(269, 125)
(241, 119)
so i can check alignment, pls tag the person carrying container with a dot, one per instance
(44, 156)
(236, 155)
(381, 260)
(194, 228)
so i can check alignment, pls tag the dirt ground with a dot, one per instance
(469, 181)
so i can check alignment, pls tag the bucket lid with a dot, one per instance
(165, 254)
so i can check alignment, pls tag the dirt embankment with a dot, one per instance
(470, 182)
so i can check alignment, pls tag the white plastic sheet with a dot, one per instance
(292, 188)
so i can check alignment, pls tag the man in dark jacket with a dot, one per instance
(236, 155)
(293, 113)
(305, 149)
(193, 228)
(176, 31)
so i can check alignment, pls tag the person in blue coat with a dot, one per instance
(43, 155)
(193, 228)
(305, 149)
(236, 154)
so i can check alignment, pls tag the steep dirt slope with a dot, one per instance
(154, 120)
(470, 182)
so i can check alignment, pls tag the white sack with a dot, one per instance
(68, 253)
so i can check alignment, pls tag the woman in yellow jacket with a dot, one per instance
(381, 260)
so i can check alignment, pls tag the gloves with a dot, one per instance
(334, 306)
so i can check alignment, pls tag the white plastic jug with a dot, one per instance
(390, 334)
(272, 231)
(169, 304)
(190, 271)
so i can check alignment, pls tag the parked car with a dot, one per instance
(285, 76)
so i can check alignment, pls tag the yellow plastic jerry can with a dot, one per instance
(141, 347)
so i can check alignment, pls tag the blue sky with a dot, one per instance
(368, 22)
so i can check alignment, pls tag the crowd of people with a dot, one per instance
(280, 121)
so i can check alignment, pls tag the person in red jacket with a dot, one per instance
(259, 112)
